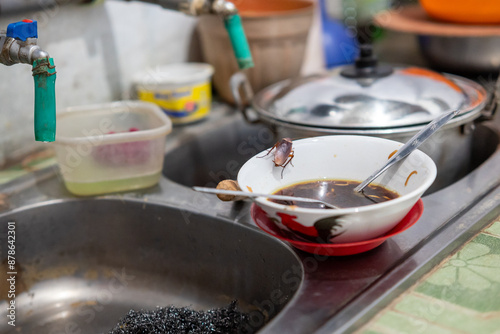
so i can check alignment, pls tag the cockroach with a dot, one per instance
(283, 153)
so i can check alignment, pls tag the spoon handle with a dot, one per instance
(411, 145)
(277, 197)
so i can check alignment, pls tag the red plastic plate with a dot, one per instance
(340, 249)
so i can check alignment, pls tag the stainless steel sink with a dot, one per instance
(83, 264)
(338, 292)
(188, 248)
(207, 158)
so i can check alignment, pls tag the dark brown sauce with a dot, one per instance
(337, 192)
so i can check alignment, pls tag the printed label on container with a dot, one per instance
(184, 104)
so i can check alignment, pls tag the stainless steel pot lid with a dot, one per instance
(408, 96)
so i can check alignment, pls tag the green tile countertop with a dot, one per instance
(33, 162)
(461, 295)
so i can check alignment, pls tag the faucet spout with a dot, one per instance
(224, 8)
(44, 75)
(232, 21)
(19, 46)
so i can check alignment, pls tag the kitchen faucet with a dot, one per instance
(18, 45)
(222, 8)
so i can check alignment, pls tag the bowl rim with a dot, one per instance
(344, 211)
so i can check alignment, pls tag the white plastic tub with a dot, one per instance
(111, 147)
(183, 91)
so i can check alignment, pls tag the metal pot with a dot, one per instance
(462, 54)
(391, 115)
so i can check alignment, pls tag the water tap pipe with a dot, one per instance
(223, 8)
(18, 45)
(234, 27)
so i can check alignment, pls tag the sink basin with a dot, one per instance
(83, 264)
(216, 155)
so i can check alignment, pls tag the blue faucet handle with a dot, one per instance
(23, 30)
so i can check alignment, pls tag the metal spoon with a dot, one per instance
(411, 145)
(277, 197)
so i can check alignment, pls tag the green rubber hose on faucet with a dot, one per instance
(44, 74)
(239, 41)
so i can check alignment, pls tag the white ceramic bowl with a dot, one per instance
(346, 158)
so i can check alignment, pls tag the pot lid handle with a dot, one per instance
(366, 66)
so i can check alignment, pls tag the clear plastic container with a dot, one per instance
(111, 147)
